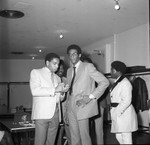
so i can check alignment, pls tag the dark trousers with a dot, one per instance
(63, 131)
(7, 139)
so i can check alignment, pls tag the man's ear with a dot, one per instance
(80, 55)
(47, 63)
(115, 71)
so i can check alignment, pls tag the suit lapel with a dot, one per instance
(47, 77)
(79, 71)
(70, 71)
(70, 75)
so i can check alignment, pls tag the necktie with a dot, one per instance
(74, 74)
(52, 78)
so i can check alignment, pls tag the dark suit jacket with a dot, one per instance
(139, 94)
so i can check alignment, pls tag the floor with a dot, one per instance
(139, 137)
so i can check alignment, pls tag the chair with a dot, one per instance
(61, 137)
(21, 116)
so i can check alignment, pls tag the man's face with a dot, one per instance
(74, 57)
(53, 64)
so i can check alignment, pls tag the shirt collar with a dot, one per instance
(77, 64)
(117, 79)
(48, 70)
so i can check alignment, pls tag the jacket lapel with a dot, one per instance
(70, 71)
(115, 84)
(79, 71)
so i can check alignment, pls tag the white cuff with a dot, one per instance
(92, 97)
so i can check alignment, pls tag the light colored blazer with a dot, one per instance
(124, 118)
(84, 84)
(43, 92)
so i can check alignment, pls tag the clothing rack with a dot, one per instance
(135, 73)
(138, 74)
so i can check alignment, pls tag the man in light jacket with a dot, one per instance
(82, 96)
(46, 89)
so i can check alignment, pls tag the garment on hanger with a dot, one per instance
(139, 94)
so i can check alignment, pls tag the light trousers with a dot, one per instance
(46, 130)
(99, 128)
(124, 138)
(79, 130)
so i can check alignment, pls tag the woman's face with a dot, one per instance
(60, 71)
(113, 73)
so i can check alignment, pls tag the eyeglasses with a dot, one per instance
(73, 54)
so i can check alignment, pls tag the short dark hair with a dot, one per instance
(119, 66)
(74, 46)
(51, 56)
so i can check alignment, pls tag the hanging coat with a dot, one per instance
(139, 94)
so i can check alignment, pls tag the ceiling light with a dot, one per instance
(61, 36)
(117, 6)
(13, 14)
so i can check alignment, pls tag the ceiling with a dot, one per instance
(82, 22)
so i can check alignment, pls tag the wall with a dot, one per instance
(16, 74)
(17, 70)
(131, 47)
(103, 60)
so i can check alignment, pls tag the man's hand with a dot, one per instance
(66, 120)
(82, 102)
(79, 102)
(59, 88)
(66, 88)
(62, 88)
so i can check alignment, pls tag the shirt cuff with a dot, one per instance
(92, 97)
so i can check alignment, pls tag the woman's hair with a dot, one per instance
(64, 65)
(119, 66)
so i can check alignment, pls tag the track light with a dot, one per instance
(117, 6)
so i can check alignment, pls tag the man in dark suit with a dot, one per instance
(82, 96)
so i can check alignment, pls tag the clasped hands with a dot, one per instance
(84, 100)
